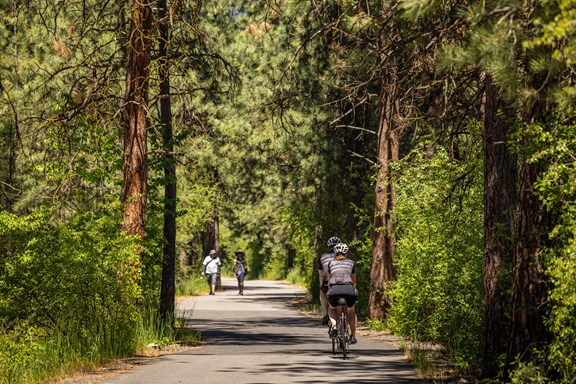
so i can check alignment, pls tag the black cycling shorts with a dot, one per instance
(346, 291)
(324, 287)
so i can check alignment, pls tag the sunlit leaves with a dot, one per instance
(437, 294)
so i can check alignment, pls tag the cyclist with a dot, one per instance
(323, 276)
(342, 283)
(240, 270)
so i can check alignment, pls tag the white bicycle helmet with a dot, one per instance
(341, 248)
(333, 241)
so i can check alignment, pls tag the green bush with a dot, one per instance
(68, 292)
(191, 285)
(562, 271)
(296, 277)
(553, 149)
(437, 295)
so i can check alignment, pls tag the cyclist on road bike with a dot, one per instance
(323, 262)
(342, 283)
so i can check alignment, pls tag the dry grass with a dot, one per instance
(96, 375)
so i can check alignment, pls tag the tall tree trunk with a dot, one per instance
(191, 257)
(209, 241)
(211, 234)
(384, 242)
(499, 203)
(168, 286)
(135, 115)
(290, 258)
(529, 284)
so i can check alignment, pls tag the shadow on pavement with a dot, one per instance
(282, 331)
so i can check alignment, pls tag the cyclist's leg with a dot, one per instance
(332, 304)
(351, 300)
(352, 320)
(324, 302)
(333, 314)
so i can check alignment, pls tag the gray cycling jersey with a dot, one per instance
(323, 262)
(341, 271)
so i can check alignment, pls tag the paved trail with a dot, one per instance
(260, 338)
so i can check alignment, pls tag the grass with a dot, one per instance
(430, 361)
(296, 277)
(422, 359)
(192, 286)
(33, 355)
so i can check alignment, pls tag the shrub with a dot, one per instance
(68, 292)
(437, 296)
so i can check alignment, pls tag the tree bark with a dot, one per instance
(168, 285)
(135, 110)
(499, 203)
(211, 236)
(529, 285)
(191, 257)
(384, 242)
(290, 258)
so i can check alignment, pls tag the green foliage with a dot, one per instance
(191, 285)
(276, 160)
(270, 146)
(32, 355)
(553, 145)
(52, 271)
(297, 277)
(377, 324)
(554, 44)
(438, 292)
(562, 353)
(361, 253)
(69, 288)
(528, 373)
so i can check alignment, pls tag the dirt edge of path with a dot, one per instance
(98, 374)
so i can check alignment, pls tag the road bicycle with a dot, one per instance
(341, 333)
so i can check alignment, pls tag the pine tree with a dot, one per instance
(135, 114)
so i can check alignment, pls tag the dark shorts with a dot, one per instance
(346, 291)
(240, 277)
(324, 287)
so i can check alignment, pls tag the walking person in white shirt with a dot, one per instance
(211, 267)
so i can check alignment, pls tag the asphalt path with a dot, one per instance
(261, 337)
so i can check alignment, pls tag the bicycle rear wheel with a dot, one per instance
(343, 333)
(333, 343)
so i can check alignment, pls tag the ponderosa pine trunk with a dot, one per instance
(168, 285)
(529, 281)
(499, 204)
(211, 233)
(384, 242)
(135, 113)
